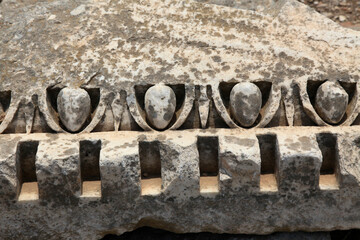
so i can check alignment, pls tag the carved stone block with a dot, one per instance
(239, 164)
(58, 172)
(183, 115)
(120, 170)
(298, 162)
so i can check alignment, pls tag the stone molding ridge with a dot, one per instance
(160, 107)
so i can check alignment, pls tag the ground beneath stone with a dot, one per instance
(345, 12)
(147, 233)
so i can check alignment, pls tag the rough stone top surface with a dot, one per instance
(112, 43)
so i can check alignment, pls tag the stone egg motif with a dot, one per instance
(74, 107)
(331, 102)
(245, 103)
(160, 103)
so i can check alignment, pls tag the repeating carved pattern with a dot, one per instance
(330, 102)
(167, 106)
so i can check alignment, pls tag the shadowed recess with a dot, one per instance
(26, 170)
(208, 148)
(150, 165)
(89, 160)
(148, 233)
(327, 145)
(267, 145)
(150, 162)
(26, 156)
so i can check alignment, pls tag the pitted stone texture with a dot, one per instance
(58, 172)
(179, 207)
(120, 158)
(160, 103)
(245, 103)
(128, 43)
(349, 160)
(298, 162)
(180, 168)
(331, 102)
(160, 42)
(254, 5)
(239, 164)
(74, 107)
(9, 182)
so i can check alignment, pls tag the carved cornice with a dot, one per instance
(222, 105)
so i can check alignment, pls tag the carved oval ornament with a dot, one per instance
(331, 102)
(245, 103)
(74, 107)
(160, 103)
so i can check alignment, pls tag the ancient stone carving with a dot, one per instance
(204, 106)
(293, 168)
(266, 113)
(176, 114)
(245, 103)
(331, 102)
(74, 107)
(160, 103)
(117, 107)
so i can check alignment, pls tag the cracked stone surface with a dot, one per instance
(170, 42)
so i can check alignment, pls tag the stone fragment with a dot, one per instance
(348, 154)
(342, 18)
(29, 113)
(77, 11)
(2, 113)
(160, 103)
(331, 102)
(245, 103)
(190, 46)
(204, 104)
(74, 106)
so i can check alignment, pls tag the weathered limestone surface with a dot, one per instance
(245, 103)
(117, 50)
(74, 106)
(300, 200)
(121, 114)
(160, 103)
(240, 164)
(331, 102)
(258, 5)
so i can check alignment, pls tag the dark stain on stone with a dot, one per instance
(216, 58)
(70, 151)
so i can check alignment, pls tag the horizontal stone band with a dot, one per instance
(181, 106)
(263, 173)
